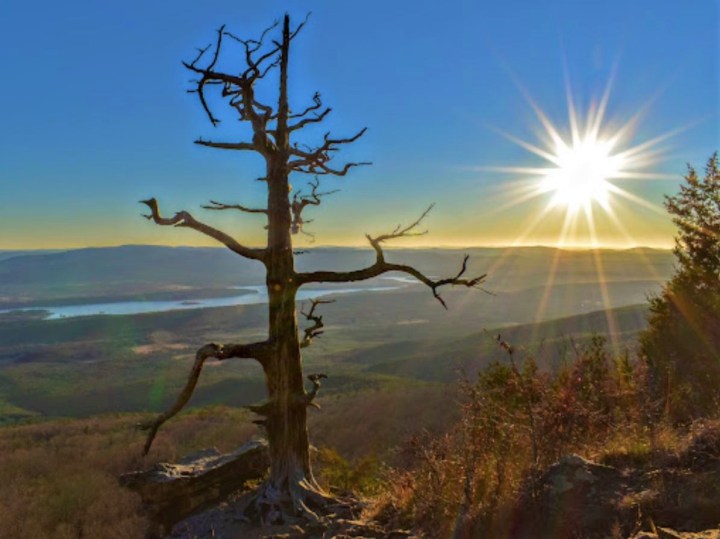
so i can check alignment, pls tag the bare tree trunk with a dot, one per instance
(291, 488)
(291, 479)
(290, 491)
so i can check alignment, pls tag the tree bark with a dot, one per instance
(291, 488)
(286, 419)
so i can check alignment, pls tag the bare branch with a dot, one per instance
(300, 202)
(334, 142)
(239, 87)
(217, 47)
(316, 118)
(219, 206)
(254, 44)
(316, 329)
(311, 120)
(249, 146)
(201, 52)
(317, 103)
(262, 55)
(328, 145)
(259, 64)
(315, 379)
(184, 219)
(399, 232)
(254, 69)
(258, 351)
(316, 160)
(200, 90)
(310, 235)
(381, 266)
(326, 170)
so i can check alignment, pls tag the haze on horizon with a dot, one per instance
(98, 118)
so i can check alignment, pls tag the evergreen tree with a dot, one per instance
(682, 344)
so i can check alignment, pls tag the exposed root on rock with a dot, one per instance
(302, 502)
(305, 511)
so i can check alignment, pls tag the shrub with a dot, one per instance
(516, 420)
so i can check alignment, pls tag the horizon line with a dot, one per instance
(576, 247)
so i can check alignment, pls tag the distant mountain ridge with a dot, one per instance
(139, 262)
(11, 253)
(84, 275)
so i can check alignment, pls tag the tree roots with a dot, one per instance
(301, 502)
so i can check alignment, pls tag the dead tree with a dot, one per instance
(290, 491)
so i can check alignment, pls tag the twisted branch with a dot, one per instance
(259, 61)
(300, 201)
(316, 160)
(315, 379)
(239, 88)
(184, 219)
(381, 266)
(316, 329)
(316, 118)
(269, 139)
(317, 103)
(258, 351)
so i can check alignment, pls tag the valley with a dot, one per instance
(387, 335)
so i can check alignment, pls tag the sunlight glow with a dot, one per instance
(582, 174)
(583, 163)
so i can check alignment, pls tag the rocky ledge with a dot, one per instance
(172, 492)
(664, 496)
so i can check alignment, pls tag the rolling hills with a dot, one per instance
(544, 301)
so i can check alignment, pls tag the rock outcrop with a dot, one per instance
(669, 495)
(573, 497)
(172, 492)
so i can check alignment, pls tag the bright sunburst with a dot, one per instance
(583, 164)
(582, 173)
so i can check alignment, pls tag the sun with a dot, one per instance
(584, 164)
(582, 174)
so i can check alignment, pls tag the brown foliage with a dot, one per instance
(59, 479)
(514, 422)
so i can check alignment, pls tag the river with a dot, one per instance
(253, 295)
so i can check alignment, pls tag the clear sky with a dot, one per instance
(95, 116)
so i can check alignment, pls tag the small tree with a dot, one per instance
(682, 344)
(290, 490)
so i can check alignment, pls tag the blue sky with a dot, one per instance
(95, 114)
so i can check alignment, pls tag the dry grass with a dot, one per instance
(516, 421)
(457, 471)
(59, 478)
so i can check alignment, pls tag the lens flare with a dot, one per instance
(583, 164)
(582, 174)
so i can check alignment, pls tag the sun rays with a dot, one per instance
(582, 166)
(577, 179)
